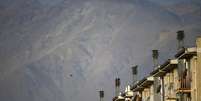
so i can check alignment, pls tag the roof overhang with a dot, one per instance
(165, 67)
(119, 98)
(170, 65)
(186, 53)
(138, 89)
(145, 83)
(129, 94)
(149, 81)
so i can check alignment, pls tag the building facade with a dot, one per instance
(179, 79)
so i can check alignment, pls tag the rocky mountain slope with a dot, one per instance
(66, 50)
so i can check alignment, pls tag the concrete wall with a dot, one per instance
(157, 96)
(198, 70)
(152, 93)
(193, 63)
(146, 93)
(171, 79)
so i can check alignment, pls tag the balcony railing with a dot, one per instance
(184, 85)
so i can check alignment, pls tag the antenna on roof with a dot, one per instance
(180, 38)
(155, 55)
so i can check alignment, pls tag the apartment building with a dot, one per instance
(168, 77)
(179, 79)
(144, 89)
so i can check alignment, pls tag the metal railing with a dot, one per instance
(184, 85)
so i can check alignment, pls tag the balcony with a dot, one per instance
(119, 98)
(137, 98)
(184, 85)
